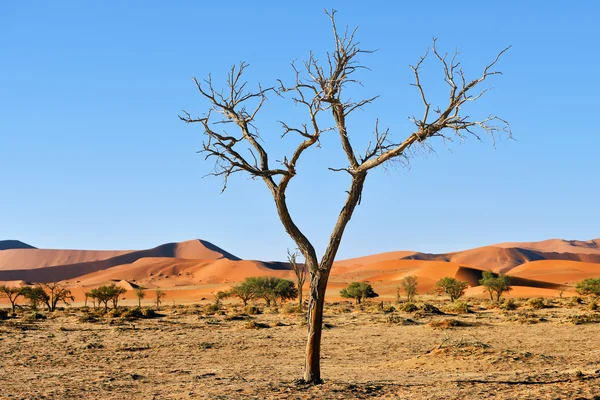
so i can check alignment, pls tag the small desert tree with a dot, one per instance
(589, 286)
(495, 284)
(104, 294)
(92, 294)
(159, 296)
(300, 272)
(140, 293)
(36, 295)
(452, 287)
(245, 291)
(358, 291)
(284, 290)
(56, 292)
(409, 286)
(12, 293)
(322, 89)
(115, 294)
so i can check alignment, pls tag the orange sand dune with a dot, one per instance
(192, 266)
(18, 259)
(193, 249)
(375, 258)
(489, 257)
(559, 246)
(500, 259)
(171, 272)
(557, 271)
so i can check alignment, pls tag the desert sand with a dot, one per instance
(187, 352)
(375, 350)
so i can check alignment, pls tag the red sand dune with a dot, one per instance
(557, 271)
(19, 259)
(193, 249)
(196, 268)
(500, 259)
(171, 272)
(559, 246)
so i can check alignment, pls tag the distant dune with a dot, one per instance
(500, 259)
(54, 268)
(196, 267)
(559, 246)
(14, 244)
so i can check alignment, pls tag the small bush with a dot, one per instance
(409, 307)
(290, 308)
(34, 316)
(430, 309)
(447, 324)
(576, 300)
(255, 325)
(88, 318)
(537, 304)
(149, 313)
(459, 307)
(251, 310)
(114, 313)
(134, 313)
(584, 319)
(509, 304)
(396, 319)
(3, 314)
(210, 309)
(593, 306)
(389, 309)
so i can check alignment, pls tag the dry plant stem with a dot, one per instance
(318, 89)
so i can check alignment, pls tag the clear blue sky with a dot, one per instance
(92, 154)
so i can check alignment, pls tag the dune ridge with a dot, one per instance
(14, 244)
(192, 249)
(196, 265)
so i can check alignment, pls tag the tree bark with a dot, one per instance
(318, 286)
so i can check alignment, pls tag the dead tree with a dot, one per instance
(319, 89)
(300, 272)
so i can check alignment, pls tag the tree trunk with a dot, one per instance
(312, 367)
(300, 298)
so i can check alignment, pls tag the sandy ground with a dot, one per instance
(187, 353)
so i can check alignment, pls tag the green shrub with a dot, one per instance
(88, 318)
(251, 310)
(452, 287)
(34, 316)
(3, 314)
(255, 325)
(133, 313)
(459, 307)
(509, 304)
(409, 307)
(389, 309)
(429, 309)
(114, 313)
(290, 308)
(584, 319)
(537, 304)
(149, 313)
(210, 309)
(358, 291)
(589, 286)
